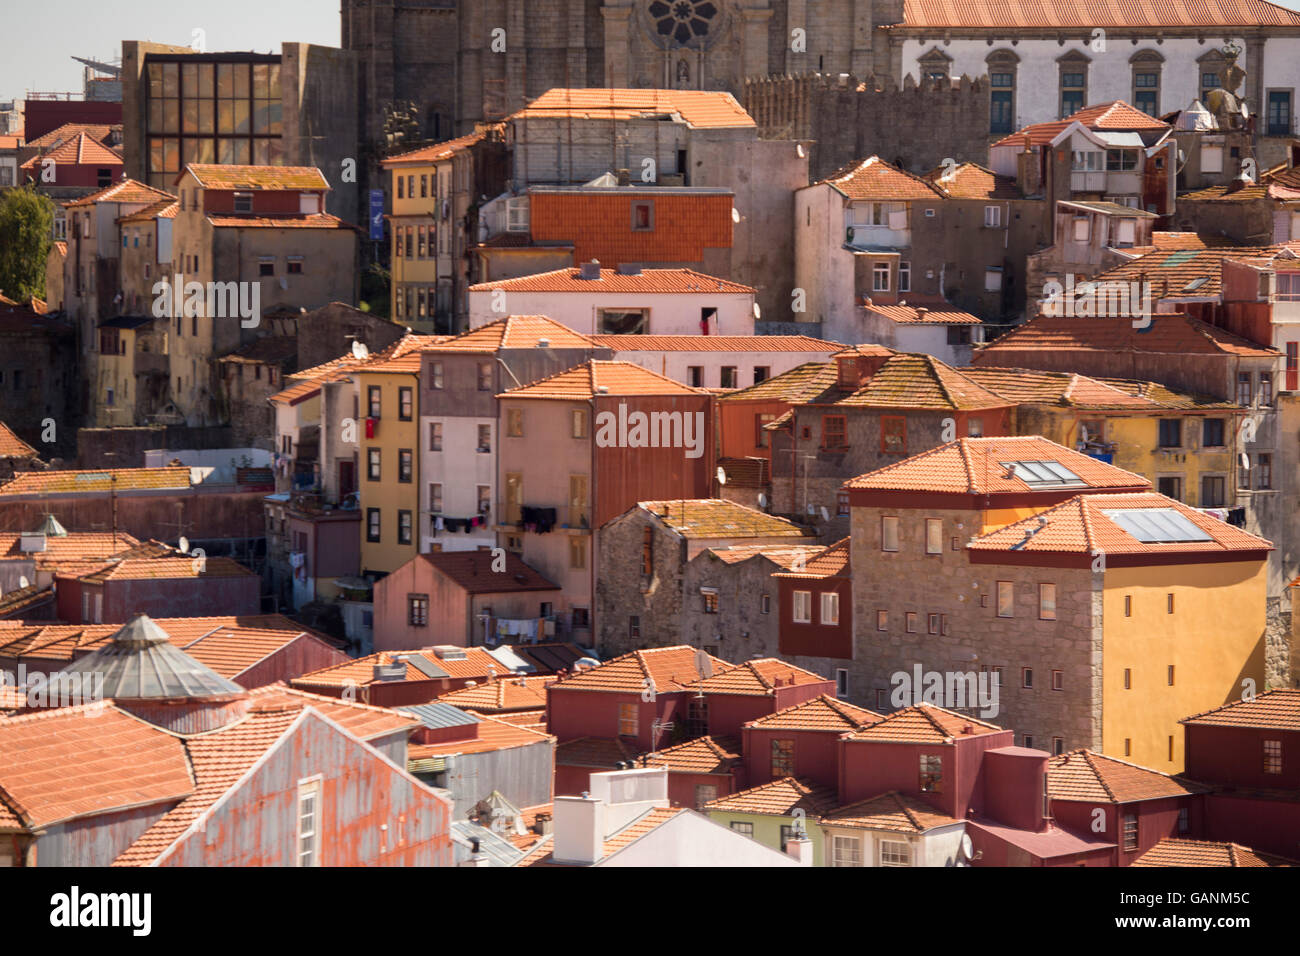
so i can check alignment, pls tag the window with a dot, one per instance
(577, 553)
(1128, 605)
(695, 376)
(424, 185)
(765, 604)
(1212, 432)
(959, 334)
(745, 829)
(931, 780)
(1058, 680)
(634, 627)
(579, 420)
(1212, 491)
(882, 620)
(1184, 824)
(1278, 117)
(243, 202)
(485, 438)
(710, 596)
(782, 759)
(1128, 746)
(404, 527)
(895, 853)
(1245, 388)
(578, 501)
(435, 497)
(1027, 678)
(830, 610)
(1272, 756)
(1130, 832)
(1027, 740)
(628, 321)
(1006, 598)
(932, 623)
(309, 822)
(643, 216)
(514, 497)
(1074, 81)
(1146, 89)
(372, 464)
(435, 436)
(1263, 472)
(1002, 117)
(1047, 602)
(1058, 746)
(404, 403)
(1170, 487)
(628, 720)
(802, 610)
(727, 377)
(647, 550)
(888, 533)
(409, 233)
(1211, 158)
(893, 435)
(834, 432)
(405, 465)
(484, 498)
(992, 217)
(1169, 676)
(435, 376)
(1128, 678)
(266, 267)
(1171, 433)
(514, 423)
(845, 850)
(910, 622)
(933, 535)
(373, 401)
(417, 610)
(372, 524)
(880, 277)
(1121, 160)
(905, 277)
(841, 683)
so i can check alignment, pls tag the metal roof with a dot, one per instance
(440, 715)
(498, 850)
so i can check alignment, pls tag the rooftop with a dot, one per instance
(1114, 116)
(716, 343)
(515, 332)
(833, 561)
(1272, 710)
(699, 109)
(972, 181)
(1167, 333)
(11, 446)
(430, 663)
(79, 150)
(598, 377)
(1096, 778)
(647, 281)
(718, 518)
(125, 191)
(1175, 852)
(898, 812)
(924, 723)
(821, 713)
(1071, 390)
(779, 798)
(668, 669)
(923, 315)
(714, 755)
(491, 732)
(474, 572)
(99, 482)
(435, 152)
(1056, 14)
(873, 178)
(212, 176)
(509, 694)
(758, 678)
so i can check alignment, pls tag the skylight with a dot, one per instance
(1196, 284)
(1043, 474)
(1157, 525)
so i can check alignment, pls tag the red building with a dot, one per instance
(397, 678)
(816, 606)
(700, 770)
(802, 741)
(161, 587)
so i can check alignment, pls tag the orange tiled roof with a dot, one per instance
(648, 821)
(898, 812)
(779, 798)
(973, 181)
(820, 713)
(218, 760)
(1168, 334)
(477, 664)
(915, 381)
(719, 518)
(162, 209)
(1274, 710)
(758, 678)
(138, 569)
(717, 755)
(1081, 525)
(532, 719)
(1095, 778)
(23, 599)
(96, 482)
(61, 134)
(363, 721)
(78, 151)
(212, 176)
(597, 376)
(1173, 241)
(669, 668)
(921, 315)
(472, 571)
(493, 734)
(1172, 851)
(1069, 389)
(603, 752)
(597, 224)
(873, 178)
(510, 694)
(71, 762)
(1049, 14)
(126, 191)
(833, 561)
(319, 220)
(800, 384)
(924, 723)
(1172, 272)
(95, 546)
(435, 152)
(716, 343)
(973, 466)
(700, 109)
(516, 332)
(1115, 116)
(234, 649)
(11, 446)
(647, 281)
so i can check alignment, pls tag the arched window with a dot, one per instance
(1073, 74)
(935, 65)
(1208, 66)
(1002, 91)
(1147, 66)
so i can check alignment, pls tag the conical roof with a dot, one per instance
(51, 528)
(139, 662)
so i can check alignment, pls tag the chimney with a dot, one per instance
(624, 177)
(579, 824)
(800, 848)
(921, 313)
(589, 270)
(629, 269)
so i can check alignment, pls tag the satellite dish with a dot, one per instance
(967, 847)
(1083, 433)
(184, 545)
(722, 476)
(758, 313)
(735, 214)
(762, 500)
(825, 514)
(22, 581)
(703, 664)
(359, 351)
(799, 150)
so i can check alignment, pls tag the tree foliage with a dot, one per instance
(26, 224)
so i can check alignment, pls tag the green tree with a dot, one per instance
(26, 223)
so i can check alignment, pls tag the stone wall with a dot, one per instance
(915, 126)
(623, 592)
(740, 630)
(125, 447)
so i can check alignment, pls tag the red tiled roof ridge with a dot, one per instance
(280, 687)
(1277, 691)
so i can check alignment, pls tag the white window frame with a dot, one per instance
(880, 277)
(830, 608)
(888, 522)
(846, 850)
(309, 788)
(801, 609)
(1010, 588)
(890, 856)
(992, 217)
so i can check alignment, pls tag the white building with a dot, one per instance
(595, 301)
(936, 329)
(718, 361)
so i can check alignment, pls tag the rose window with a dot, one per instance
(683, 20)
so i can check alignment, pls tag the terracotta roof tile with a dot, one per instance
(1273, 710)
(873, 178)
(915, 381)
(12, 603)
(138, 569)
(76, 761)
(1167, 334)
(1071, 390)
(532, 719)
(435, 152)
(781, 555)
(715, 755)
(595, 377)
(1082, 525)
(833, 561)
(669, 668)
(603, 752)
(11, 446)
(656, 281)
(96, 482)
(648, 821)
(320, 220)
(212, 176)
(473, 571)
(800, 384)
(924, 723)
(493, 734)
(494, 697)
(1235, 191)
(976, 466)
(1175, 852)
(898, 812)
(820, 713)
(758, 678)
(1096, 778)
(1174, 241)
(515, 332)
(477, 664)
(363, 721)
(80, 150)
(972, 181)
(716, 343)
(1010, 14)
(921, 315)
(719, 518)
(700, 109)
(61, 134)
(126, 191)
(779, 798)
(1115, 115)
(162, 209)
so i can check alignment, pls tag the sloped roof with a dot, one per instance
(603, 752)
(11, 446)
(421, 665)
(1115, 115)
(1049, 14)
(1172, 271)
(656, 281)
(975, 466)
(597, 376)
(833, 561)
(213, 176)
(509, 694)
(61, 134)
(873, 178)
(1081, 525)
(1167, 334)
(80, 150)
(364, 721)
(716, 755)
(126, 191)
(434, 152)
(799, 384)
(758, 678)
(973, 181)
(1096, 778)
(1273, 710)
(649, 821)
(515, 332)
(700, 109)
(669, 668)
(1071, 390)
(783, 556)
(821, 713)
(136, 569)
(473, 571)
(719, 518)
(1172, 851)
(894, 811)
(915, 381)
(316, 220)
(716, 343)
(491, 732)
(96, 482)
(922, 315)
(924, 723)
(162, 209)
(779, 798)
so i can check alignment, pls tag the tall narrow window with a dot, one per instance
(933, 535)
(1002, 91)
(889, 533)
(1074, 82)
(1047, 602)
(309, 822)
(801, 611)
(1006, 598)
(830, 610)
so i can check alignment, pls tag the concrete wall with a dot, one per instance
(670, 313)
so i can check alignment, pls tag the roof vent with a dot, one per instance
(543, 343)
(449, 652)
(921, 312)
(602, 389)
(629, 269)
(394, 671)
(589, 270)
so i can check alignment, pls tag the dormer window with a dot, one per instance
(243, 202)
